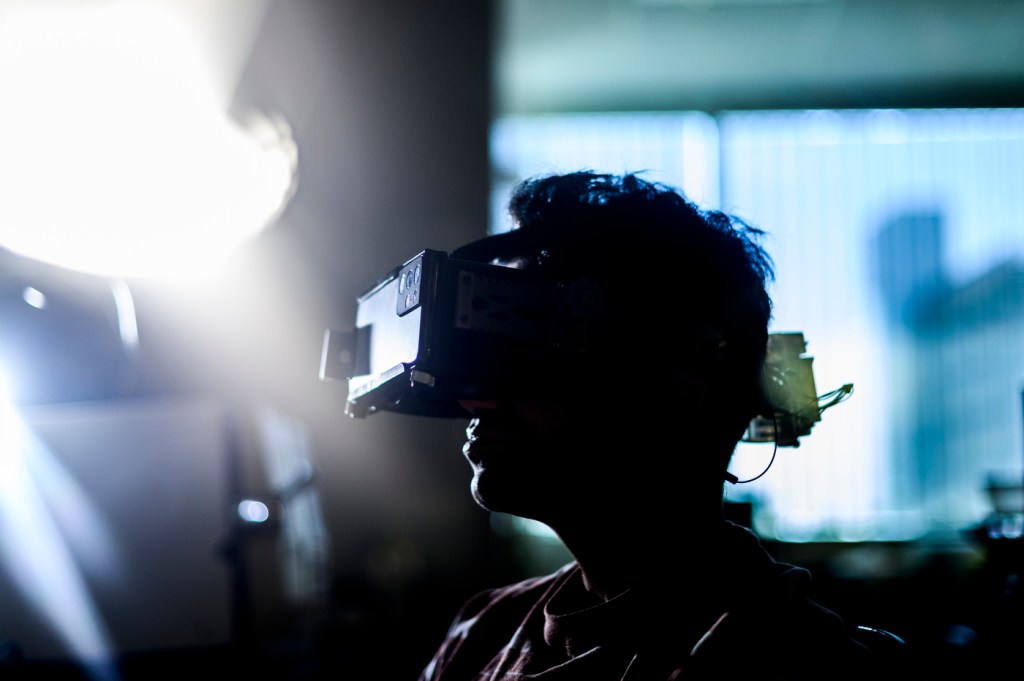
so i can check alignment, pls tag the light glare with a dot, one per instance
(46, 519)
(118, 158)
(252, 511)
(34, 297)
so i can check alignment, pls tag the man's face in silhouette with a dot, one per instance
(540, 459)
(565, 455)
(525, 452)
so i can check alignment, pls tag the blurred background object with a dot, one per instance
(192, 191)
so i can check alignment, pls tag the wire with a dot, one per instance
(834, 397)
(823, 402)
(732, 479)
(775, 450)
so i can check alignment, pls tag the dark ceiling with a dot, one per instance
(601, 55)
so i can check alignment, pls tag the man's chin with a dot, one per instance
(496, 495)
(481, 495)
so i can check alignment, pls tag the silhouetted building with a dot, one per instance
(958, 358)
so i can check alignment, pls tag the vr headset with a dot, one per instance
(439, 328)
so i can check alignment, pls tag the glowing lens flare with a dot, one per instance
(45, 522)
(119, 158)
(252, 511)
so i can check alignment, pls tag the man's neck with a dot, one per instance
(616, 554)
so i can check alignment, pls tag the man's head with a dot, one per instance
(683, 322)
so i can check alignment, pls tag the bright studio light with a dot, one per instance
(118, 155)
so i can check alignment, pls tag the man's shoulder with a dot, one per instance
(780, 621)
(768, 611)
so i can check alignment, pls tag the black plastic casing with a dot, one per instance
(437, 329)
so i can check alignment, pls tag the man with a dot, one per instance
(622, 449)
